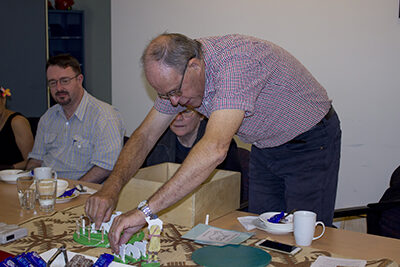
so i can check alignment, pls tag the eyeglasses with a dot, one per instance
(187, 113)
(178, 91)
(63, 81)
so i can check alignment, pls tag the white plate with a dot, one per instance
(288, 225)
(59, 261)
(260, 225)
(67, 199)
(10, 176)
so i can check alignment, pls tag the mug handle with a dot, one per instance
(323, 230)
(55, 174)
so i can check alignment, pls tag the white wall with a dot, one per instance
(351, 46)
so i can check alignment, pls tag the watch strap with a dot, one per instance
(144, 207)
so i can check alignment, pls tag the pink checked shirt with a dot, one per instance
(280, 97)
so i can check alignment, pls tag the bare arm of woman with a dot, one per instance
(23, 138)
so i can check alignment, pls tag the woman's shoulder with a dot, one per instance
(19, 121)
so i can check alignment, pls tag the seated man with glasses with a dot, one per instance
(80, 137)
(184, 132)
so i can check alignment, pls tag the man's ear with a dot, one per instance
(195, 63)
(80, 78)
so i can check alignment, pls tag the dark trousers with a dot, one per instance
(301, 174)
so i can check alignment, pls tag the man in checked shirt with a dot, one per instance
(245, 86)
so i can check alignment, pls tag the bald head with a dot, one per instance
(172, 50)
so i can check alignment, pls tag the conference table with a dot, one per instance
(48, 231)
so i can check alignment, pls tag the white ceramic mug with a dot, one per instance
(304, 225)
(44, 173)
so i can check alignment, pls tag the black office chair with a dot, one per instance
(383, 218)
(33, 121)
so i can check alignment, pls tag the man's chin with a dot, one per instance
(63, 102)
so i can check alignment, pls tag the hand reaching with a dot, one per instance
(126, 224)
(100, 206)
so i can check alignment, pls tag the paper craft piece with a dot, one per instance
(232, 256)
(209, 235)
(323, 261)
(155, 228)
(89, 236)
(132, 253)
(107, 225)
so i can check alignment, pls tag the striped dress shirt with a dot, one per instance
(93, 136)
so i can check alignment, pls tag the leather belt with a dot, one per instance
(328, 115)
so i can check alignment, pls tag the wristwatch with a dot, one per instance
(144, 207)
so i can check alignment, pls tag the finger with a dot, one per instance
(108, 214)
(114, 235)
(91, 208)
(126, 235)
(99, 216)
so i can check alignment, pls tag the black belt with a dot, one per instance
(328, 115)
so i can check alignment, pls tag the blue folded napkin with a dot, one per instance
(68, 193)
(277, 217)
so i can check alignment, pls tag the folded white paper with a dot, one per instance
(323, 261)
(248, 222)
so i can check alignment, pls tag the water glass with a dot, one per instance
(46, 189)
(26, 192)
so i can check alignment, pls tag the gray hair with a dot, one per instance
(172, 50)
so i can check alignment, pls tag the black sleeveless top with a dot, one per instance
(9, 151)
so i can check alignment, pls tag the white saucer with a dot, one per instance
(67, 199)
(260, 225)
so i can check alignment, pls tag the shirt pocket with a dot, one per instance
(50, 140)
(82, 147)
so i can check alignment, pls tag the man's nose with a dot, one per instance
(58, 85)
(174, 100)
(179, 117)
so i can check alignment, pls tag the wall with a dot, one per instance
(97, 47)
(23, 55)
(351, 46)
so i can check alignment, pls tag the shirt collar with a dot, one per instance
(80, 111)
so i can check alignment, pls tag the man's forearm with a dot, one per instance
(196, 168)
(95, 175)
(137, 148)
(129, 161)
(33, 163)
(204, 157)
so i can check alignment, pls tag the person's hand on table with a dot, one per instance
(127, 224)
(100, 206)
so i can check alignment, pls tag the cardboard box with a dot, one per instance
(217, 196)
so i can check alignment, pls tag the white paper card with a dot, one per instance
(323, 261)
(209, 235)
